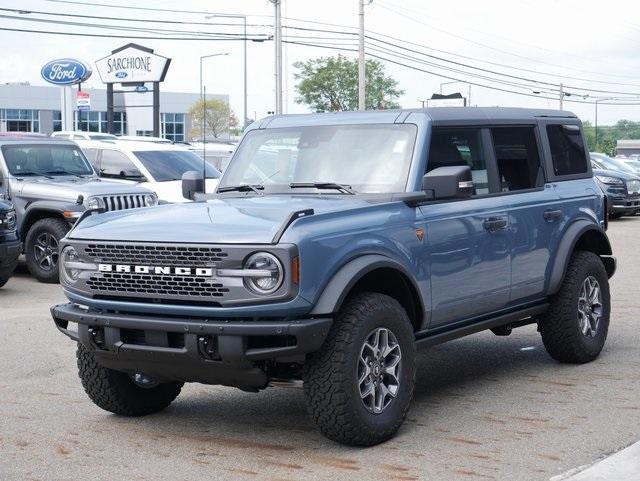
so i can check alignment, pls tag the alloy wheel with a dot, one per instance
(46, 251)
(590, 307)
(379, 367)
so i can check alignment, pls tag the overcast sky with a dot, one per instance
(590, 48)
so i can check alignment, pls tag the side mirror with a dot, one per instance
(449, 182)
(192, 183)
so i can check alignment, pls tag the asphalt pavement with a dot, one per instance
(485, 407)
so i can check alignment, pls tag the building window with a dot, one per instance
(144, 133)
(172, 126)
(57, 121)
(19, 120)
(92, 121)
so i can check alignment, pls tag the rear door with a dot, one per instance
(535, 211)
(468, 240)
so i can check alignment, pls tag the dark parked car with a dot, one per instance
(10, 246)
(366, 236)
(621, 188)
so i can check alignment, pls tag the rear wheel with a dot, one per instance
(121, 393)
(358, 387)
(41, 248)
(575, 327)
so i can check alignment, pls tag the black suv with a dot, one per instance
(10, 246)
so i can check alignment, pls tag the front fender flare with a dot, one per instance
(55, 207)
(568, 243)
(338, 287)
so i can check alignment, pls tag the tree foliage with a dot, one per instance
(609, 134)
(218, 116)
(330, 84)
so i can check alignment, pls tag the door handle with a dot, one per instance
(552, 215)
(493, 224)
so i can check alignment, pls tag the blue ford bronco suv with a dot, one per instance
(336, 245)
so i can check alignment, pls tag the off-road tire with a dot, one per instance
(58, 229)
(559, 326)
(330, 375)
(616, 215)
(115, 391)
(3, 281)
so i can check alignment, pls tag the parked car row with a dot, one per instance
(620, 181)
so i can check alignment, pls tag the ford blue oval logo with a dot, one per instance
(65, 71)
(121, 74)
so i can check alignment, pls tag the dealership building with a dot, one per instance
(30, 108)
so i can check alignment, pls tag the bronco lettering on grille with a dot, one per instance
(158, 270)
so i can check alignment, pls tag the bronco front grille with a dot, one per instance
(122, 201)
(155, 255)
(155, 285)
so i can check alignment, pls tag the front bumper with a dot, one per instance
(211, 351)
(10, 250)
(623, 205)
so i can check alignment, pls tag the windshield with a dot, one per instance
(614, 164)
(167, 165)
(371, 158)
(46, 159)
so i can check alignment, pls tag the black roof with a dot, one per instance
(493, 113)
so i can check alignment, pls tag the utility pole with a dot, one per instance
(362, 99)
(278, 55)
(561, 95)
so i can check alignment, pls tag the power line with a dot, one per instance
(476, 84)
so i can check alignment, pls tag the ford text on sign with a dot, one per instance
(65, 71)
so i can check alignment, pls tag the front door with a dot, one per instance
(468, 241)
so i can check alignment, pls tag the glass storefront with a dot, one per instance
(19, 120)
(172, 127)
(93, 121)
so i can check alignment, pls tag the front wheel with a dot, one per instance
(358, 387)
(575, 327)
(41, 248)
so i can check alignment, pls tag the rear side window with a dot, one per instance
(518, 158)
(567, 149)
(116, 164)
(451, 147)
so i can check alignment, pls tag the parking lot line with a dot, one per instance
(621, 466)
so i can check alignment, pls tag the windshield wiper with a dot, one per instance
(64, 172)
(242, 188)
(33, 172)
(323, 185)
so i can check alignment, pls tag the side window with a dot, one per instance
(116, 164)
(517, 158)
(567, 149)
(92, 157)
(451, 147)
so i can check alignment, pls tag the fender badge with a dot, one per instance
(420, 234)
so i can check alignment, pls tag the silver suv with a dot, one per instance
(51, 183)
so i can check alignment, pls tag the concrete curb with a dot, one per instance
(621, 466)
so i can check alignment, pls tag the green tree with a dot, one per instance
(330, 84)
(218, 118)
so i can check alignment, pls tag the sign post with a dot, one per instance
(133, 65)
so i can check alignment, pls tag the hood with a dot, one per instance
(69, 188)
(616, 173)
(236, 220)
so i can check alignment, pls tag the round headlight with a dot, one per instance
(94, 203)
(69, 257)
(267, 275)
(150, 200)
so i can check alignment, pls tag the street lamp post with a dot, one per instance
(244, 21)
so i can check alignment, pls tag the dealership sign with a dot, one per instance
(132, 63)
(65, 71)
(83, 100)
